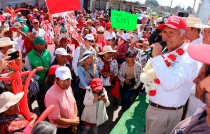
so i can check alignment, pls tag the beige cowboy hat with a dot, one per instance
(8, 99)
(202, 26)
(107, 49)
(191, 21)
(88, 21)
(5, 41)
(5, 30)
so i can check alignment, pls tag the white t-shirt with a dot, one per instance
(18, 43)
(41, 32)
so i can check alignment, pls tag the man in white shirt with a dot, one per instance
(175, 78)
(193, 35)
(36, 28)
(205, 32)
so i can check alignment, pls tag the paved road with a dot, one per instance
(113, 114)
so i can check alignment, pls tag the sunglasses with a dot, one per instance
(79, 31)
(131, 56)
(112, 39)
(92, 41)
(100, 32)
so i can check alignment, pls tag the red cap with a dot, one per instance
(108, 25)
(52, 69)
(96, 84)
(195, 50)
(63, 39)
(35, 20)
(30, 16)
(174, 22)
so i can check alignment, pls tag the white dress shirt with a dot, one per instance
(197, 41)
(76, 58)
(41, 32)
(176, 80)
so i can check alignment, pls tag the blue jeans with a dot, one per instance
(126, 97)
(115, 100)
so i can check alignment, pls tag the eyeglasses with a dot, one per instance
(92, 41)
(112, 39)
(100, 32)
(205, 32)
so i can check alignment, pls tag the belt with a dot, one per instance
(162, 107)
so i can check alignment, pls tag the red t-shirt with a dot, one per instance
(80, 24)
(28, 44)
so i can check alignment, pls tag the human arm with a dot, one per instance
(137, 73)
(81, 73)
(75, 60)
(105, 98)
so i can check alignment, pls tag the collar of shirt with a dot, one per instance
(86, 48)
(197, 41)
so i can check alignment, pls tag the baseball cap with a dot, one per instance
(35, 20)
(110, 36)
(61, 51)
(39, 40)
(96, 84)
(63, 73)
(52, 69)
(195, 50)
(108, 25)
(30, 16)
(89, 37)
(125, 36)
(174, 22)
(21, 20)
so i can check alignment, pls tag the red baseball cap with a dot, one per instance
(35, 20)
(96, 84)
(108, 25)
(52, 69)
(30, 16)
(199, 52)
(174, 22)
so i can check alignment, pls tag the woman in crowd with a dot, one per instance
(95, 101)
(100, 37)
(11, 121)
(129, 76)
(86, 72)
(77, 39)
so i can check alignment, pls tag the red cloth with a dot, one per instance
(115, 91)
(103, 42)
(28, 44)
(75, 42)
(80, 24)
(103, 23)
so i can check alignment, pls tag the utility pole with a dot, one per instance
(170, 6)
(193, 9)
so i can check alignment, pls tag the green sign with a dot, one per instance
(123, 20)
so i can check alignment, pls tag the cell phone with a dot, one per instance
(12, 29)
(13, 55)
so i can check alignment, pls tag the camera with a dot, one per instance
(101, 94)
(13, 55)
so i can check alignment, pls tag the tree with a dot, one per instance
(152, 2)
(189, 9)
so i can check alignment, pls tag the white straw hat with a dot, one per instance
(107, 49)
(8, 99)
(5, 41)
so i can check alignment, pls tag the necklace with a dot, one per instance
(148, 76)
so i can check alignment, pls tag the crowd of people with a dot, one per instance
(86, 62)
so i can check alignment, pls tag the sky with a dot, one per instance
(182, 3)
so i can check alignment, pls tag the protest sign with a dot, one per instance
(123, 20)
(58, 6)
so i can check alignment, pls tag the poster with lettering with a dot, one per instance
(123, 20)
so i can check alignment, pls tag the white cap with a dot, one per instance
(63, 73)
(100, 28)
(109, 36)
(61, 51)
(160, 19)
(89, 37)
(125, 36)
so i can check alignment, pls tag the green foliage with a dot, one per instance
(152, 2)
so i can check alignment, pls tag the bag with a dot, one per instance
(131, 84)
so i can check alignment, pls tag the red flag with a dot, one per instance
(57, 6)
(1, 18)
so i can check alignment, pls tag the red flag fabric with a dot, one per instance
(115, 91)
(58, 6)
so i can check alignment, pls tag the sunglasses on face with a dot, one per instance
(91, 41)
(100, 32)
(79, 31)
(112, 39)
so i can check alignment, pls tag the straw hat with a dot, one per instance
(5, 30)
(5, 41)
(191, 21)
(202, 26)
(11, 50)
(88, 21)
(8, 99)
(107, 49)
